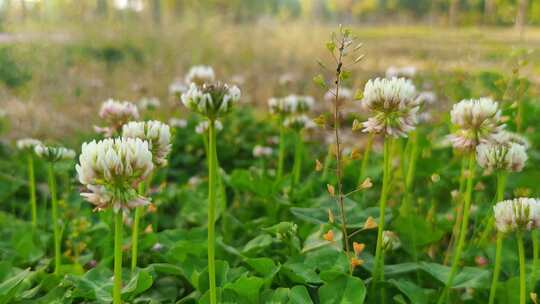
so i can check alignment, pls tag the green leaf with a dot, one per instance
(341, 288)
(414, 229)
(222, 276)
(345, 75)
(297, 271)
(468, 277)
(264, 267)
(299, 295)
(138, 283)
(415, 293)
(8, 288)
(319, 80)
(247, 288)
(259, 242)
(331, 46)
(95, 285)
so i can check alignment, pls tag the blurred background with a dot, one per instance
(59, 59)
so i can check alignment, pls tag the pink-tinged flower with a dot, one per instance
(517, 215)
(200, 74)
(393, 106)
(211, 100)
(116, 114)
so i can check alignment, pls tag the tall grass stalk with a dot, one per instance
(297, 166)
(281, 155)
(365, 159)
(32, 188)
(212, 179)
(536, 252)
(378, 273)
(54, 214)
(463, 231)
(501, 185)
(117, 287)
(522, 284)
(135, 229)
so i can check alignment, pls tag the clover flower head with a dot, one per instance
(299, 122)
(149, 103)
(501, 156)
(406, 71)
(262, 151)
(202, 127)
(477, 120)
(278, 106)
(156, 133)
(345, 94)
(390, 240)
(111, 169)
(116, 114)
(200, 74)
(178, 123)
(507, 137)
(211, 100)
(393, 105)
(427, 97)
(517, 215)
(298, 104)
(27, 144)
(177, 87)
(53, 154)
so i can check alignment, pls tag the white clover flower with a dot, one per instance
(390, 240)
(517, 215)
(278, 106)
(287, 79)
(345, 94)
(507, 156)
(202, 127)
(406, 71)
(477, 120)
(506, 137)
(427, 97)
(149, 103)
(393, 105)
(177, 87)
(156, 133)
(211, 100)
(262, 151)
(27, 143)
(111, 169)
(200, 74)
(178, 123)
(116, 114)
(298, 104)
(54, 154)
(299, 122)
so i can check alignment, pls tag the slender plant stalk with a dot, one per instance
(212, 179)
(536, 251)
(365, 159)
(459, 213)
(501, 185)
(327, 162)
(135, 230)
(54, 211)
(281, 155)
(463, 231)
(522, 285)
(338, 153)
(117, 287)
(378, 273)
(32, 188)
(297, 167)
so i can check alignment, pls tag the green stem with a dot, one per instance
(463, 231)
(117, 288)
(522, 285)
(32, 189)
(135, 230)
(297, 167)
(378, 274)
(212, 179)
(54, 211)
(501, 185)
(536, 251)
(365, 159)
(497, 269)
(281, 155)
(327, 162)
(459, 213)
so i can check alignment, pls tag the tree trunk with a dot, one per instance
(453, 13)
(521, 15)
(489, 11)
